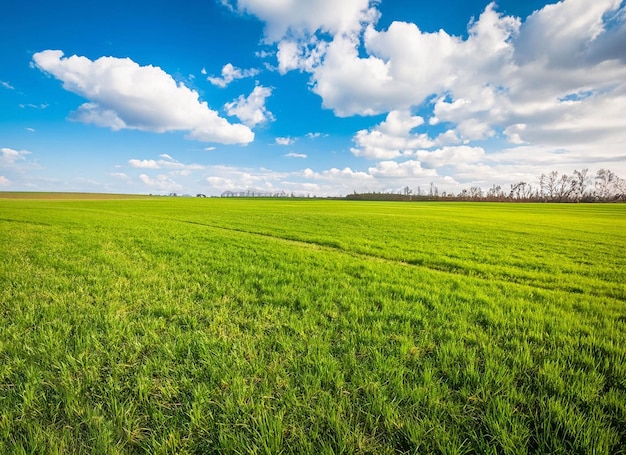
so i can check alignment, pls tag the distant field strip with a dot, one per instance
(183, 325)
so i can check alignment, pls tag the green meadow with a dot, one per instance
(179, 325)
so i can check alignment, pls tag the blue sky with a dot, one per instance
(313, 97)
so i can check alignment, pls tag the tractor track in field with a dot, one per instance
(335, 247)
(433, 267)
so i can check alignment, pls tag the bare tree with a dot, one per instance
(548, 184)
(521, 191)
(476, 192)
(604, 183)
(495, 193)
(564, 187)
(620, 189)
(580, 182)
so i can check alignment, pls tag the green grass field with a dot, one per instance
(172, 325)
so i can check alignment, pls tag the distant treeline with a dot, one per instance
(580, 186)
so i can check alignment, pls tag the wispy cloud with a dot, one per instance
(231, 73)
(144, 164)
(171, 163)
(295, 155)
(9, 157)
(167, 162)
(119, 175)
(285, 140)
(34, 106)
(160, 182)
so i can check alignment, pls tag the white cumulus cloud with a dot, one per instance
(298, 17)
(251, 110)
(167, 162)
(122, 94)
(392, 138)
(450, 156)
(410, 168)
(404, 65)
(551, 81)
